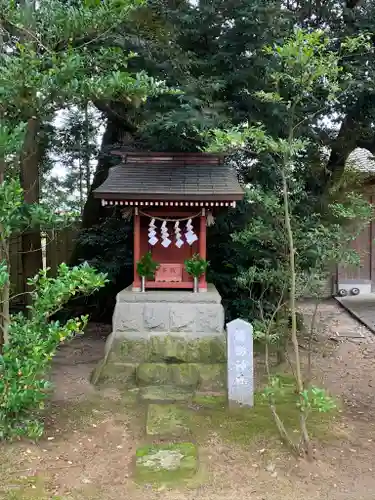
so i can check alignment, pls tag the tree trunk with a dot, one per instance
(112, 137)
(87, 154)
(93, 211)
(32, 260)
(344, 144)
(4, 295)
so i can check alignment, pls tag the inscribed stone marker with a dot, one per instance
(240, 363)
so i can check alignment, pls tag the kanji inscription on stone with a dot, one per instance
(240, 363)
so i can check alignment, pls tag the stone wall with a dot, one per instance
(173, 338)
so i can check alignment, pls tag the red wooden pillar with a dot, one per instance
(137, 249)
(202, 248)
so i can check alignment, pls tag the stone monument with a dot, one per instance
(240, 363)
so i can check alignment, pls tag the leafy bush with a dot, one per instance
(146, 266)
(33, 341)
(196, 266)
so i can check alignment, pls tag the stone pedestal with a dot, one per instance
(164, 337)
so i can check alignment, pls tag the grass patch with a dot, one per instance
(247, 424)
(26, 488)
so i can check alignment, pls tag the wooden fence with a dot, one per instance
(57, 247)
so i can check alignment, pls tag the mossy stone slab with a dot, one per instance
(166, 463)
(177, 374)
(185, 374)
(153, 374)
(171, 348)
(167, 420)
(212, 377)
(119, 375)
(164, 394)
(206, 350)
(210, 401)
(167, 348)
(130, 350)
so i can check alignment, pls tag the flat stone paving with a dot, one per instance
(167, 420)
(362, 307)
(164, 463)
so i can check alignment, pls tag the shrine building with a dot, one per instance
(172, 197)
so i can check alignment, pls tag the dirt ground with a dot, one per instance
(91, 437)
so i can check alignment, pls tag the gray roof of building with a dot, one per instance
(198, 178)
(362, 160)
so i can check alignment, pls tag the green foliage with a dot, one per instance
(33, 340)
(196, 266)
(312, 399)
(295, 246)
(315, 398)
(30, 341)
(65, 54)
(16, 216)
(73, 146)
(146, 266)
(302, 68)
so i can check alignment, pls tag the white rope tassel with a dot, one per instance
(210, 219)
(165, 235)
(190, 236)
(152, 239)
(177, 232)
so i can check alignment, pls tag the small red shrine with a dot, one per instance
(172, 197)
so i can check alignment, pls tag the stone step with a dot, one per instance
(205, 377)
(128, 347)
(167, 420)
(166, 463)
(165, 394)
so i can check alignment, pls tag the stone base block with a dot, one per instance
(120, 375)
(163, 337)
(205, 377)
(180, 375)
(184, 377)
(167, 421)
(166, 463)
(166, 348)
(165, 311)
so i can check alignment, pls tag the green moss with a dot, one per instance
(165, 393)
(212, 377)
(167, 347)
(120, 375)
(185, 374)
(153, 374)
(244, 425)
(27, 488)
(167, 420)
(131, 351)
(166, 463)
(210, 401)
(206, 350)
(175, 348)
(218, 350)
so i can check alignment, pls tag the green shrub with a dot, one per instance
(196, 266)
(33, 341)
(146, 266)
